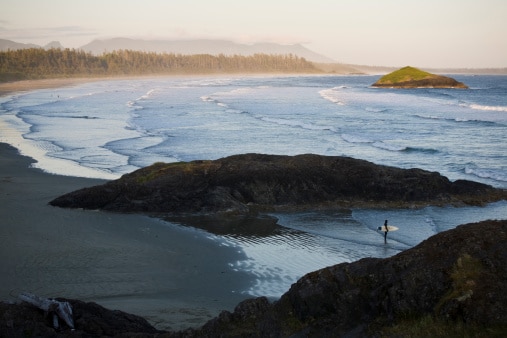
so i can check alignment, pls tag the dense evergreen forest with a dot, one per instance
(38, 63)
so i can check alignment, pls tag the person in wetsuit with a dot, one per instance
(385, 233)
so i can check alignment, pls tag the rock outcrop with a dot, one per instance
(90, 320)
(252, 182)
(453, 282)
(410, 77)
(457, 277)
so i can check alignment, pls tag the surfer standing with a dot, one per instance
(386, 231)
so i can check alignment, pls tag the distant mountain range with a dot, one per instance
(228, 48)
(202, 46)
(8, 44)
(185, 47)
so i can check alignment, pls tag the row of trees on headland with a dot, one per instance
(37, 63)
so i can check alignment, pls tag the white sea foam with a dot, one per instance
(496, 174)
(207, 99)
(39, 150)
(148, 94)
(332, 95)
(103, 136)
(261, 114)
(135, 103)
(488, 108)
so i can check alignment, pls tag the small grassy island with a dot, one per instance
(410, 77)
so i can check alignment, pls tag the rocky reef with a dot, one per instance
(410, 77)
(253, 182)
(451, 283)
(457, 277)
(90, 320)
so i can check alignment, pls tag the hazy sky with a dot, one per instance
(421, 33)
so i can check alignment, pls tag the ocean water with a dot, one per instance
(107, 128)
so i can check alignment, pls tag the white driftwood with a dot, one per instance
(63, 310)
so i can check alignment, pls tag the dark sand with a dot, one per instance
(27, 85)
(173, 276)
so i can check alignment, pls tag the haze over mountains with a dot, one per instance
(202, 46)
(185, 47)
(229, 48)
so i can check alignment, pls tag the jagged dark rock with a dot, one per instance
(458, 277)
(242, 183)
(90, 320)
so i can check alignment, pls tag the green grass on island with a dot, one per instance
(410, 77)
(405, 74)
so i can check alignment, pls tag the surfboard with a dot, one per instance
(389, 227)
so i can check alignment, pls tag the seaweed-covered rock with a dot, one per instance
(242, 183)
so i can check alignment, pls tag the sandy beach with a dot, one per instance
(175, 277)
(25, 85)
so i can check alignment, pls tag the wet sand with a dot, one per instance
(175, 277)
(27, 85)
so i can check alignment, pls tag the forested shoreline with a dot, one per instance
(38, 63)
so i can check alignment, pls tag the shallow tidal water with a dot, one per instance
(108, 128)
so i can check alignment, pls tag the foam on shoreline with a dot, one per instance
(173, 276)
(50, 165)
